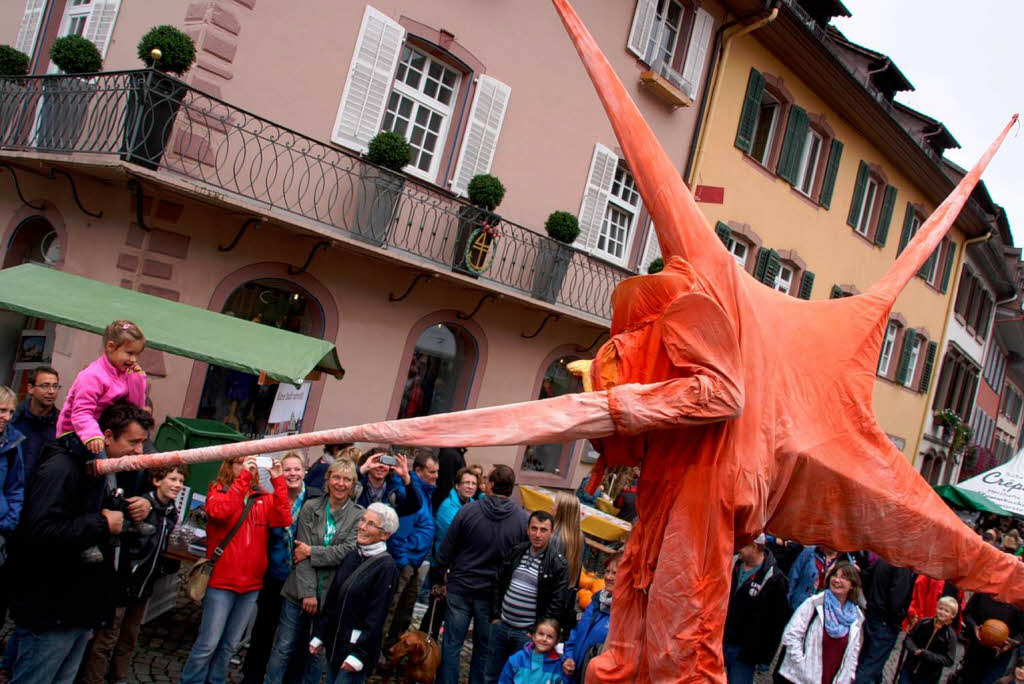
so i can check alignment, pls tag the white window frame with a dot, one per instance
(809, 162)
(915, 355)
(784, 284)
(623, 205)
(653, 50)
(421, 99)
(741, 260)
(867, 205)
(888, 343)
(772, 128)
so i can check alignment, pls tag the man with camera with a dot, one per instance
(384, 478)
(62, 596)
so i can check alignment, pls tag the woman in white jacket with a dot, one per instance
(822, 638)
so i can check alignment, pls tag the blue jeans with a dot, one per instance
(502, 643)
(225, 616)
(293, 632)
(457, 616)
(879, 638)
(343, 677)
(736, 670)
(49, 657)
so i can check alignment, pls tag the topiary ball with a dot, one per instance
(76, 55)
(12, 62)
(486, 191)
(390, 150)
(656, 265)
(178, 52)
(563, 226)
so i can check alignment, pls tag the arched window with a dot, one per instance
(440, 372)
(931, 468)
(552, 461)
(236, 398)
(36, 241)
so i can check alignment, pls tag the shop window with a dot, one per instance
(440, 373)
(553, 459)
(236, 398)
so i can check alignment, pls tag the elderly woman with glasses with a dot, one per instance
(357, 603)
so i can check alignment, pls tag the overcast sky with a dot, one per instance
(964, 60)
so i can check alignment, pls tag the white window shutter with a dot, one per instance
(697, 55)
(643, 24)
(30, 23)
(595, 196)
(652, 250)
(364, 99)
(101, 23)
(481, 138)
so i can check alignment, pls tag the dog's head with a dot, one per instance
(411, 645)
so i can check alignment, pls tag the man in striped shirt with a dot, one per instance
(531, 585)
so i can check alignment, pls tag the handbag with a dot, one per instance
(199, 574)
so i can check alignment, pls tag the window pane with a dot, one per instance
(550, 458)
(809, 163)
(739, 252)
(440, 372)
(867, 207)
(764, 130)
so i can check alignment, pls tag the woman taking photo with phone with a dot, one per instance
(234, 502)
(385, 479)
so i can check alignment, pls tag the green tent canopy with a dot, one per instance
(971, 501)
(168, 326)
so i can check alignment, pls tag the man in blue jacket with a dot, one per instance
(807, 575)
(409, 547)
(12, 476)
(36, 417)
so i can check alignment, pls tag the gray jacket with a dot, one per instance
(302, 582)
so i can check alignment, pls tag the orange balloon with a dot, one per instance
(993, 633)
(584, 596)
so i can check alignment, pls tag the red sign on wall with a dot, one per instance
(709, 194)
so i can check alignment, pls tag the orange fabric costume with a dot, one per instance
(748, 410)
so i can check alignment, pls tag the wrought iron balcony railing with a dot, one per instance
(160, 123)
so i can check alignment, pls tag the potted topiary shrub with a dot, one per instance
(155, 97)
(381, 185)
(656, 266)
(65, 101)
(554, 255)
(478, 225)
(13, 64)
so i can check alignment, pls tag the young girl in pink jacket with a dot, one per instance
(114, 375)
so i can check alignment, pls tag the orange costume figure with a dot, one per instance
(747, 409)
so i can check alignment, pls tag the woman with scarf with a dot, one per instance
(353, 612)
(823, 637)
(587, 638)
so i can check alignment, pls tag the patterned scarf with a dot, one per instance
(605, 598)
(838, 617)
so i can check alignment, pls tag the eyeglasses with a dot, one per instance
(369, 523)
(48, 386)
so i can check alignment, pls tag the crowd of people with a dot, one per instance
(327, 564)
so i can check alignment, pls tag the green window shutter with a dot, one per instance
(836, 293)
(724, 234)
(930, 263)
(947, 272)
(908, 221)
(793, 144)
(904, 368)
(762, 263)
(885, 216)
(831, 171)
(751, 106)
(806, 285)
(858, 195)
(771, 269)
(929, 364)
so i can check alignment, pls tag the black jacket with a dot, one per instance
(937, 651)
(888, 592)
(142, 561)
(37, 430)
(758, 611)
(449, 461)
(62, 518)
(362, 604)
(552, 583)
(480, 535)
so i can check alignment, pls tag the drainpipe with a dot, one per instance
(926, 416)
(721, 56)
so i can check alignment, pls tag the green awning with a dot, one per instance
(971, 501)
(169, 326)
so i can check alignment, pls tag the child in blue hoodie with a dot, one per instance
(538, 662)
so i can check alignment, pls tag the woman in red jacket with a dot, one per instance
(238, 575)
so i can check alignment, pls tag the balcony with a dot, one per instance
(151, 121)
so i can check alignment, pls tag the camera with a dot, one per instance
(265, 462)
(389, 460)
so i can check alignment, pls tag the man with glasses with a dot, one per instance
(36, 417)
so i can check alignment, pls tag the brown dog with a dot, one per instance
(421, 655)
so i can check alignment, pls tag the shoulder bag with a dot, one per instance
(199, 574)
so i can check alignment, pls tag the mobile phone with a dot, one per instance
(389, 460)
(264, 462)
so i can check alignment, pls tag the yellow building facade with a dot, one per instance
(835, 207)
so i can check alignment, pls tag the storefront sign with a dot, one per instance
(289, 403)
